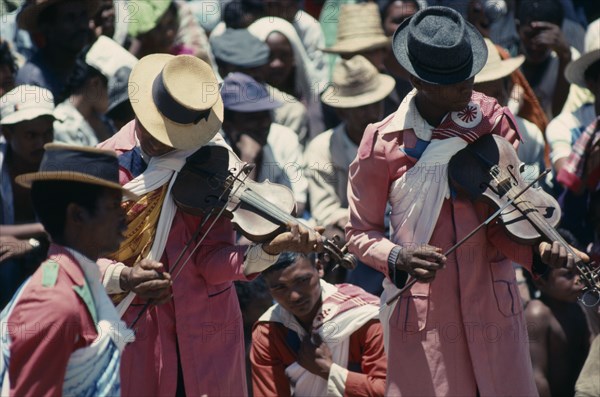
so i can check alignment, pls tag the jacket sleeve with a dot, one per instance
(368, 186)
(367, 343)
(42, 329)
(268, 367)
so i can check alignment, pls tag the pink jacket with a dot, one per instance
(465, 331)
(203, 320)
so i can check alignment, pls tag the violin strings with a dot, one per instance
(267, 207)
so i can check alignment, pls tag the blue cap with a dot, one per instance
(241, 93)
(241, 48)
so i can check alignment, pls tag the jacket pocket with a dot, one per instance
(411, 312)
(505, 288)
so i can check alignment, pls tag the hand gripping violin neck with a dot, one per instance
(489, 170)
(214, 178)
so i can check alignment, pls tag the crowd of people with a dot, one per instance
(112, 284)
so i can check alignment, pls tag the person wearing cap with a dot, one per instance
(60, 30)
(318, 339)
(237, 50)
(494, 81)
(26, 116)
(249, 128)
(119, 110)
(62, 314)
(193, 344)
(438, 333)
(80, 112)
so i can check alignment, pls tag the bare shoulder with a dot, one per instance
(538, 314)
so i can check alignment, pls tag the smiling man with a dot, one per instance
(318, 339)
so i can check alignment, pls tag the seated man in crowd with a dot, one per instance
(357, 96)
(26, 114)
(249, 127)
(318, 339)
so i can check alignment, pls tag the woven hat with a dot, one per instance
(77, 164)
(25, 102)
(438, 46)
(359, 29)
(495, 68)
(176, 98)
(356, 82)
(27, 19)
(575, 70)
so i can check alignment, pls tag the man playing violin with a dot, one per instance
(459, 331)
(193, 344)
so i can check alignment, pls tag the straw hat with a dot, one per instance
(359, 29)
(27, 18)
(176, 98)
(356, 82)
(576, 69)
(495, 68)
(438, 46)
(77, 164)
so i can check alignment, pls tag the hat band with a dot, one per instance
(444, 70)
(173, 110)
(81, 162)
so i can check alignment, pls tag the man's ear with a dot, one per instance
(76, 214)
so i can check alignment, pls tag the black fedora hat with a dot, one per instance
(77, 164)
(438, 46)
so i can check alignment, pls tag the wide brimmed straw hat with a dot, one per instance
(359, 29)
(575, 71)
(356, 82)
(176, 99)
(438, 46)
(77, 164)
(496, 68)
(27, 18)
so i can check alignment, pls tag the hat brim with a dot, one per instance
(575, 70)
(26, 180)
(507, 66)
(478, 48)
(357, 44)
(27, 19)
(332, 98)
(178, 136)
(25, 115)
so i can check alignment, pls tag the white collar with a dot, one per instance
(408, 117)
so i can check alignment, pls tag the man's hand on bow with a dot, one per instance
(421, 262)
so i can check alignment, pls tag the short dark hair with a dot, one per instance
(51, 198)
(234, 12)
(286, 259)
(592, 72)
(540, 10)
(81, 73)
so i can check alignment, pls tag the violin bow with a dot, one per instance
(468, 236)
(195, 236)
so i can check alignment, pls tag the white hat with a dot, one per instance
(25, 102)
(575, 70)
(495, 68)
(107, 56)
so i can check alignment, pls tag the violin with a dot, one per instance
(489, 170)
(213, 177)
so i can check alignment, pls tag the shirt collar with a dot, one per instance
(408, 117)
